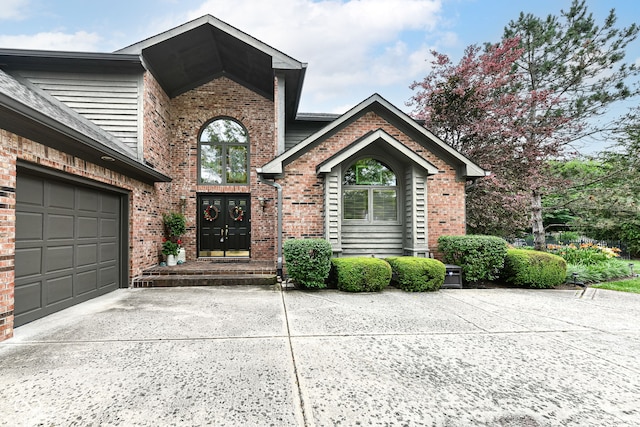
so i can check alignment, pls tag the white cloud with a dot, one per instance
(351, 47)
(79, 41)
(13, 9)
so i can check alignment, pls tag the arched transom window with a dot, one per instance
(369, 192)
(224, 153)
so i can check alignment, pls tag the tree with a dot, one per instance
(582, 65)
(514, 108)
(603, 195)
(476, 107)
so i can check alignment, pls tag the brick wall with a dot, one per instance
(304, 190)
(7, 231)
(147, 228)
(189, 113)
(143, 246)
(145, 221)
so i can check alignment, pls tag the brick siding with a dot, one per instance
(304, 190)
(190, 111)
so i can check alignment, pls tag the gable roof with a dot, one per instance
(28, 111)
(370, 138)
(381, 106)
(198, 51)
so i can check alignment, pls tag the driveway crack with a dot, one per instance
(307, 422)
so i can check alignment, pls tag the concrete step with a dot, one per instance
(169, 280)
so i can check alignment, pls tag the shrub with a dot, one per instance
(170, 248)
(174, 224)
(415, 274)
(481, 257)
(360, 274)
(308, 261)
(534, 269)
(601, 272)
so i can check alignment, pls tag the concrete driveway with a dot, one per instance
(246, 356)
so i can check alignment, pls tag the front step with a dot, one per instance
(203, 273)
(175, 280)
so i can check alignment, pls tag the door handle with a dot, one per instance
(227, 235)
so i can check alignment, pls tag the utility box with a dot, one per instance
(452, 277)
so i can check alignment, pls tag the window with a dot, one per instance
(224, 153)
(369, 192)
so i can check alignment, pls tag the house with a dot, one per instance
(203, 119)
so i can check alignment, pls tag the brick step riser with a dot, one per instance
(169, 281)
(209, 273)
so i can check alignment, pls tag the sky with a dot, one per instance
(353, 48)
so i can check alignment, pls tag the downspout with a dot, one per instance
(279, 236)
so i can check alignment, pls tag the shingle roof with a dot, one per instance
(28, 111)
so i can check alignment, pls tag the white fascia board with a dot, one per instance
(378, 135)
(471, 169)
(275, 165)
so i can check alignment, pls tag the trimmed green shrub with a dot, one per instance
(360, 274)
(415, 274)
(481, 257)
(534, 269)
(308, 261)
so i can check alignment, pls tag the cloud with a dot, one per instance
(13, 9)
(80, 41)
(351, 47)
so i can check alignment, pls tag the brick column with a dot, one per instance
(8, 152)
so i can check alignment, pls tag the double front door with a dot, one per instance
(224, 225)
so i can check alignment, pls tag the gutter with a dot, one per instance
(279, 236)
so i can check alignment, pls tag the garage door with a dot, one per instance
(67, 245)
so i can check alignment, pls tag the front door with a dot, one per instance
(224, 225)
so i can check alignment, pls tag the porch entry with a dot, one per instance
(224, 225)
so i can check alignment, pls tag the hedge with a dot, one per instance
(360, 274)
(481, 257)
(534, 269)
(308, 261)
(415, 274)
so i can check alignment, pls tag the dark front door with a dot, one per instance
(224, 225)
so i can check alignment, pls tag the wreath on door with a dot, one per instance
(237, 213)
(207, 213)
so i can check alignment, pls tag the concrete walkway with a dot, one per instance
(245, 356)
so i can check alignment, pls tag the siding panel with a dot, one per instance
(109, 101)
(333, 208)
(378, 240)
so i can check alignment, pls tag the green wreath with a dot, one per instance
(207, 213)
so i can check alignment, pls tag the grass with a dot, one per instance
(627, 285)
(630, 285)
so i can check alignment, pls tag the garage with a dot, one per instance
(68, 244)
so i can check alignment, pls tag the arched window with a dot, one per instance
(369, 192)
(223, 153)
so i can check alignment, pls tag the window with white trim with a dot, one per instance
(369, 192)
